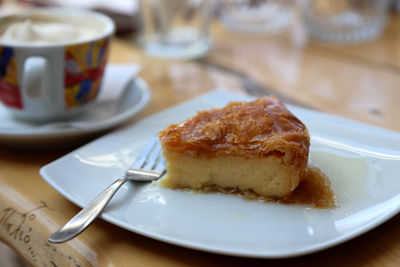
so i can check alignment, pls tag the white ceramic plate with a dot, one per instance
(361, 161)
(102, 115)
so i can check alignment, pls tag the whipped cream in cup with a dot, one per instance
(31, 31)
(52, 62)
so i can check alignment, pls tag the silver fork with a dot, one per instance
(149, 166)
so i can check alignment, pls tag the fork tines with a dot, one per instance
(151, 157)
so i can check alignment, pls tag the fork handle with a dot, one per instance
(87, 215)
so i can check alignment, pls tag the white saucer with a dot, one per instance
(104, 114)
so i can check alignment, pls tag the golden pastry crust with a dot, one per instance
(262, 127)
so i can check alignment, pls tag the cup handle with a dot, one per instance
(34, 78)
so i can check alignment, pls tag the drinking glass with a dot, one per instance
(175, 28)
(256, 16)
(345, 21)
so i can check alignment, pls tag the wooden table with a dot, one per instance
(360, 82)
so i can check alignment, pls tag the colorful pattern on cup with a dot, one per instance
(84, 67)
(10, 94)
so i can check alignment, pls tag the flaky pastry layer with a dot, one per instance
(259, 128)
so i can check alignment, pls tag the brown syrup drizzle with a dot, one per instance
(314, 190)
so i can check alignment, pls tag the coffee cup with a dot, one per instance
(52, 62)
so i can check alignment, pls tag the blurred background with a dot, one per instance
(340, 22)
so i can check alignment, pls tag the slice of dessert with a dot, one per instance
(256, 147)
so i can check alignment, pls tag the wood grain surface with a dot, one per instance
(359, 82)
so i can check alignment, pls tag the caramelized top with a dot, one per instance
(261, 127)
